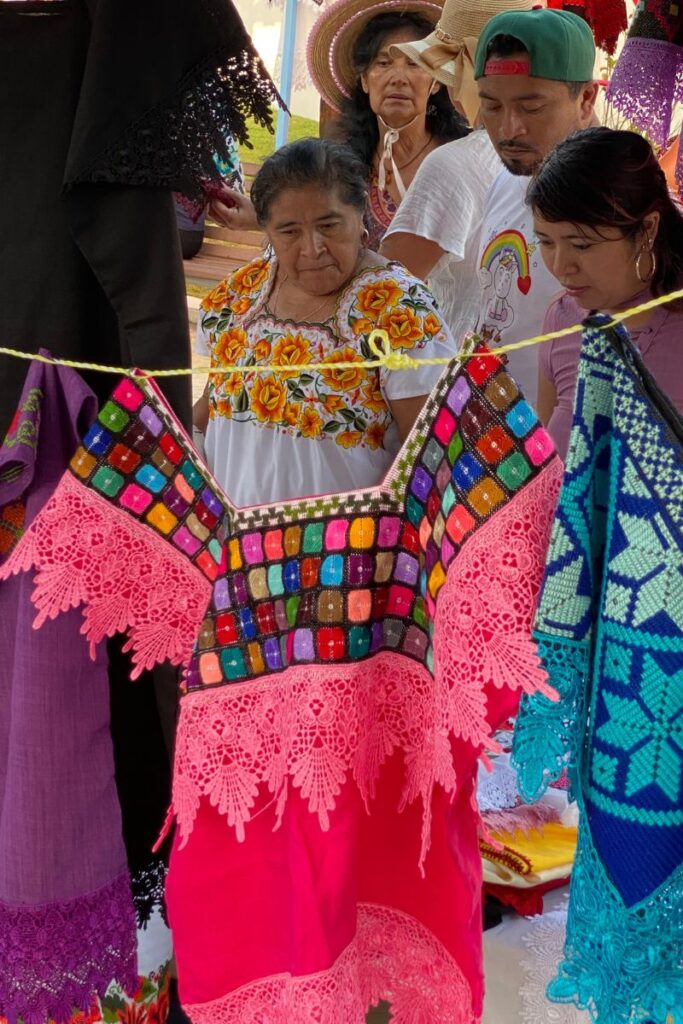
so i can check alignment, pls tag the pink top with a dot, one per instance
(659, 343)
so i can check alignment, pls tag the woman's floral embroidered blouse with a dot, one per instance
(347, 410)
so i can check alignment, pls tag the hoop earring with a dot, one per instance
(364, 237)
(651, 254)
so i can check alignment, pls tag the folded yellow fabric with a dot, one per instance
(526, 859)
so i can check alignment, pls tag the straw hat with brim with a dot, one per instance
(448, 53)
(334, 35)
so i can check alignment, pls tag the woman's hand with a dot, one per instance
(233, 210)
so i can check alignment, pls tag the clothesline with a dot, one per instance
(378, 342)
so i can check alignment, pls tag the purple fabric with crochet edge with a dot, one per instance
(67, 922)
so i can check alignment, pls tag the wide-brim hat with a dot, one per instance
(448, 53)
(333, 37)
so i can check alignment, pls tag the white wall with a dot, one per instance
(263, 20)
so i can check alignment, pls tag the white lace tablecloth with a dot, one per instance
(520, 957)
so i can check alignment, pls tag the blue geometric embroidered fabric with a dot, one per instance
(610, 631)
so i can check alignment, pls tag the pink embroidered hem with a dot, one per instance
(392, 957)
(312, 726)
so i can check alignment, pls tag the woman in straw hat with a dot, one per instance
(435, 232)
(393, 112)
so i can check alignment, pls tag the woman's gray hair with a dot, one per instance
(319, 162)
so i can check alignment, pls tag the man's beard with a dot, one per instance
(522, 167)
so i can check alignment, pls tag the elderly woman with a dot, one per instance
(315, 299)
(611, 234)
(392, 113)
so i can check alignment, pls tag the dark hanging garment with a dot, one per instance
(106, 107)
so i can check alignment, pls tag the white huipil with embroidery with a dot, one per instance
(276, 436)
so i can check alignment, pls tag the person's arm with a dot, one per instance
(200, 411)
(405, 411)
(547, 398)
(419, 255)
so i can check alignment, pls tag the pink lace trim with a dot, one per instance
(392, 957)
(485, 610)
(88, 552)
(59, 956)
(312, 725)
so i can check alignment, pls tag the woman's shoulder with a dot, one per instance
(239, 292)
(388, 273)
(387, 297)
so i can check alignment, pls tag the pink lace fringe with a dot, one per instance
(87, 552)
(388, 945)
(310, 726)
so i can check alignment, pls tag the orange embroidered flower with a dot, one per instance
(230, 346)
(291, 350)
(223, 408)
(268, 399)
(215, 300)
(403, 327)
(291, 414)
(234, 383)
(262, 349)
(375, 298)
(374, 436)
(343, 380)
(348, 438)
(249, 278)
(333, 403)
(310, 422)
(373, 399)
(362, 326)
(240, 306)
(431, 324)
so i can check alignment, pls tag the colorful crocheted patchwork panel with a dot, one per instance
(322, 579)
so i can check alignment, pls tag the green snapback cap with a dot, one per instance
(560, 45)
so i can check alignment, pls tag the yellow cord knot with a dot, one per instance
(380, 346)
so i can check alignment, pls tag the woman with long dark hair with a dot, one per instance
(393, 112)
(611, 234)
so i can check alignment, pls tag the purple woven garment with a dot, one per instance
(647, 81)
(67, 923)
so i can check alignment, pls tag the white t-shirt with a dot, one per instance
(445, 203)
(516, 288)
(288, 435)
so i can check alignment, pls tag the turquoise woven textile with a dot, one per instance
(609, 628)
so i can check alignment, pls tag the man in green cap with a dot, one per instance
(534, 72)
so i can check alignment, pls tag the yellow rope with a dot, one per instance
(378, 342)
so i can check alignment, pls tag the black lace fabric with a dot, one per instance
(148, 884)
(165, 83)
(172, 146)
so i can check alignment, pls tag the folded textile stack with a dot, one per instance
(526, 850)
